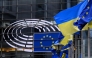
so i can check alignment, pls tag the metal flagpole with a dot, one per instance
(76, 37)
(69, 53)
(82, 45)
(88, 43)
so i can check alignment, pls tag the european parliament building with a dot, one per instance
(23, 20)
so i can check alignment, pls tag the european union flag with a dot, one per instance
(85, 17)
(44, 41)
(64, 50)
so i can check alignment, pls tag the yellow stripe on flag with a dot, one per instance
(88, 25)
(66, 39)
(68, 28)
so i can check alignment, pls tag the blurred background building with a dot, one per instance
(14, 10)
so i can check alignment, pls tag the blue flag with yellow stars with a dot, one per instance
(85, 17)
(44, 41)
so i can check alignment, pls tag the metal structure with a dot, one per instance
(81, 47)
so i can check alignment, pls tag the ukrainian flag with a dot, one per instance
(65, 20)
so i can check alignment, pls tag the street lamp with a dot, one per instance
(58, 47)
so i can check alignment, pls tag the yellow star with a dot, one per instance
(51, 45)
(43, 36)
(86, 12)
(46, 35)
(52, 41)
(52, 38)
(41, 45)
(49, 36)
(40, 42)
(88, 7)
(46, 48)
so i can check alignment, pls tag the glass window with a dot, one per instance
(9, 5)
(74, 2)
(39, 11)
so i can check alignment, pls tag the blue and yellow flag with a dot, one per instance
(65, 20)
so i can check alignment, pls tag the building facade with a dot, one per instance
(15, 10)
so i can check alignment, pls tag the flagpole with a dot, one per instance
(88, 43)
